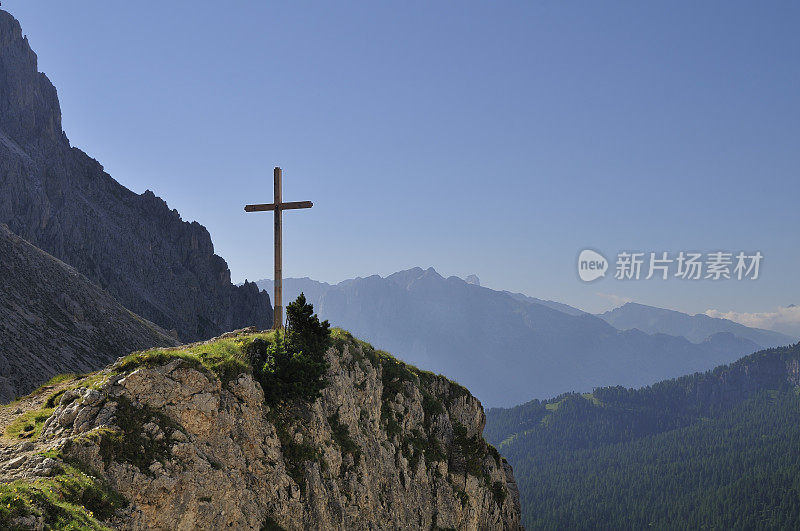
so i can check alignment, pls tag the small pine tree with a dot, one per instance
(307, 339)
(293, 366)
(306, 333)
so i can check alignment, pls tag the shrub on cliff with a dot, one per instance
(293, 365)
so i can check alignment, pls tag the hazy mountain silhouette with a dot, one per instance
(507, 348)
(695, 328)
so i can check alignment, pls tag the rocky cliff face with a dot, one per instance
(53, 320)
(59, 199)
(170, 444)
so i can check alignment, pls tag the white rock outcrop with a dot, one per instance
(385, 447)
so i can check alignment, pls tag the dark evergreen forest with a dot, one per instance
(712, 450)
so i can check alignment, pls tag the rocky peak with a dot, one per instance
(473, 279)
(134, 246)
(29, 108)
(174, 440)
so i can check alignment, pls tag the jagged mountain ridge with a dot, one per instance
(174, 445)
(53, 320)
(507, 349)
(314, 290)
(62, 201)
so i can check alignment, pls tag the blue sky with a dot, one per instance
(496, 138)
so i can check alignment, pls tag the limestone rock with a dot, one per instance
(384, 447)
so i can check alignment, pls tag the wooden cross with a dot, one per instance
(278, 206)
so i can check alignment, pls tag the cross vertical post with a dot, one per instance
(278, 206)
(278, 320)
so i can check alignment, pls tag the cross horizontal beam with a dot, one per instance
(289, 205)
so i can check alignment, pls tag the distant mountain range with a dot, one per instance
(508, 348)
(695, 328)
(716, 450)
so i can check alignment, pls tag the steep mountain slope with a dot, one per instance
(60, 200)
(507, 350)
(53, 320)
(695, 328)
(185, 439)
(715, 450)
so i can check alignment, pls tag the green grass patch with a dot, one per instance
(591, 398)
(28, 425)
(55, 380)
(342, 337)
(553, 406)
(94, 380)
(61, 378)
(54, 399)
(226, 358)
(73, 499)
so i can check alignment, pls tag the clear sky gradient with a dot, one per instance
(496, 138)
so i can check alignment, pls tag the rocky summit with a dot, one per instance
(184, 438)
(61, 200)
(53, 320)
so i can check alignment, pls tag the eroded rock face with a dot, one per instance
(376, 451)
(53, 320)
(60, 200)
